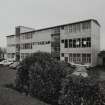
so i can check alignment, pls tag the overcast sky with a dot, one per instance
(43, 13)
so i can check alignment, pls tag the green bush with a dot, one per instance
(40, 75)
(80, 91)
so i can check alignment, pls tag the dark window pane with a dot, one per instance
(74, 43)
(66, 43)
(62, 54)
(70, 43)
(66, 59)
(62, 41)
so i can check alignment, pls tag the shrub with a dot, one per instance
(80, 91)
(40, 75)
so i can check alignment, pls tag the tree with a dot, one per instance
(40, 75)
(77, 90)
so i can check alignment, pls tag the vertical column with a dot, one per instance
(17, 32)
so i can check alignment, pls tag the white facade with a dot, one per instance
(86, 35)
(39, 41)
(77, 42)
(11, 47)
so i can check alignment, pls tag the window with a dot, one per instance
(84, 42)
(66, 43)
(78, 42)
(71, 57)
(48, 42)
(66, 59)
(74, 43)
(70, 43)
(70, 29)
(78, 27)
(26, 46)
(88, 42)
(86, 58)
(62, 54)
(62, 27)
(27, 36)
(56, 30)
(62, 41)
(86, 25)
(74, 58)
(78, 59)
(73, 28)
(83, 58)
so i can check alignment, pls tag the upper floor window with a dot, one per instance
(86, 25)
(62, 41)
(77, 42)
(26, 46)
(27, 36)
(62, 54)
(70, 43)
(73, 28)
(41, 43)
(66, 43)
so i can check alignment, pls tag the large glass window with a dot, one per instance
(88, 42)
(66, 59)
(84, 42)
(86, 25)
(83, 58)
(74, 43)
(26, 46)
(62, 41)
(62, 54)
(77, 42)
(86, 58)
(70, 57)
(80, 58)
(74, 28)
(66, 43)
(70, 43)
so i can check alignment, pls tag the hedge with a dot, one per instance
(40, 75)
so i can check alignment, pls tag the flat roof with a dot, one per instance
(10, 35)
(62, 25)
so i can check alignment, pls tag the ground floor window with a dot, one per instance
(80, 58)
(66, 59)
(24, 55)
(11, 55)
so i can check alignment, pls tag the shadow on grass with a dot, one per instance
(11, 86)
(23, 92)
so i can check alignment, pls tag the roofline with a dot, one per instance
(25, 27)
(10, 35)
(96, 22)
(62, 25)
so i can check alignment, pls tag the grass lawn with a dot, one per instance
(9, 96)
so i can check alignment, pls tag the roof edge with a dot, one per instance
(60, 26)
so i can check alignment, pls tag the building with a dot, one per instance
(77, 42)
(101, 58)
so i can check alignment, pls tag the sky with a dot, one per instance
(44, 13)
